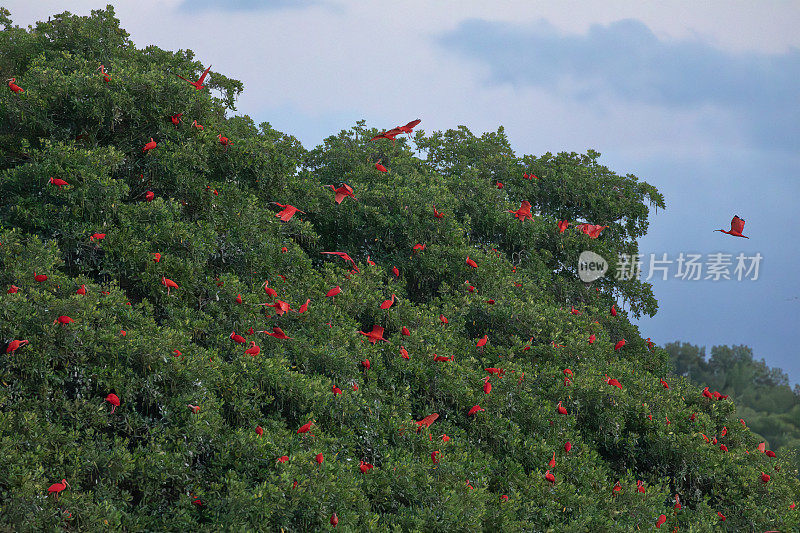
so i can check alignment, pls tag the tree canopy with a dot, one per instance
(154, 256)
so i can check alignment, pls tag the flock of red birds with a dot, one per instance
(376, 334)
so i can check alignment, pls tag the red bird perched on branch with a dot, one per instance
(199, 83)
(149, 146)
(427, 421)
(303, 308)
(305, 427)
(63, 320)
(660, 522)
(737, 227)
(567, 446)
(562, 225)
(619, 345)
(334, 520)
(471, 263)
(197, 125)
(169, 284)
(12, 290)
(97, 237)
(592, 338)
(475, 409)
(388, 303)
(443, 319)
(403, 352)
(342, 192)
(436, 213)
(419, 248)
(593, 231)
(56, 488)
(379, 167)
(396, 271)
(14, 87)
(613, 310)
(156, 257)
(149, 196)
(499, 372)
(613, 382)
(277, 333)
(561, 409)
(550, 477)
(524, 212)
(375, 335)
(333, 292)
(176, 118)
(224, 141)
(482, 341)
(441, 358)
(365, 467)
(664, 384)
(113, 399)
(238, 339)
(487, 387)
(253, 350)
(287, 213)
(15, 345)
(58, 182)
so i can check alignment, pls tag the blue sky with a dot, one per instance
(700, 99)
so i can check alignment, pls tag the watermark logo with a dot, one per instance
(591, 266)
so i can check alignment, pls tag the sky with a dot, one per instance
(700, 99)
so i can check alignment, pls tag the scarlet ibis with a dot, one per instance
(259, 430)
(176, 118)
(342, 192)
(149, 196)
(487, 386)
(58, 182)
(253, 350)
(333, 292)
(176, 353)
(619, 345)
(660, 522)
(613, 310)
(277, 333)
(445, 438)
(388, 303)
(224, 141)
(574, 311)
(56, 488)
(441, 358)
(403, 352)
(235, 337)
(396, 272)
(475, 409)
(769, 453)
(640, 486)
(13, 86)
(592, 230)
(567, 446)
(499, 372)
(737, 227)
(434, 456)
(427, 421)
(550, 477)
(678, 505)
(721, 516)
(365, 467)
(156, 257)
(409, 127)
(524, 212)
(379, 167)
(63, 320)
(319, 458)
(269, 290)
(562, 225)
(113, 399)
(561, 409)
(287, 213)
(197, 125)
(344, 256)
(499, 185)
(169, 284)
(370, 262)
(238, 298)
(613, 382)
(482, 341)
(419, 248)
(443, 319)
(389, 134)
(15, 345)
(436, 213)
(375, 335)
(149, 146)
(405, 332)
(336, 390)
(707, 394)
(280, 307)
(366, 364)
(303, 308)
(283, 458)
(97, 237)
(334, 520)
(723, 447)
(106, 75)
(305, 427)
(664, 384)
(199, 83)
(13, 289)
(592, 338)
(471, 263)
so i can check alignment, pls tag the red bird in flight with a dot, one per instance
(593, 231)
(737, 227)
(563, 225)
(287, 213)
(375, 335)
(199, 83)
(408, 128)
(342, 192)
(524, 212)
(277, 333)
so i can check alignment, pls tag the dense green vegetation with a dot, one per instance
(157, 463)
(763, 396)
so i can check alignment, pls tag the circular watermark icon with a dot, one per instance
(591, 266)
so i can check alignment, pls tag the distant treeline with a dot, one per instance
(763, 396)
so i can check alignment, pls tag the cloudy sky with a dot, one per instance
(700, 99)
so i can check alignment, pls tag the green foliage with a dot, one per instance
(154, 464)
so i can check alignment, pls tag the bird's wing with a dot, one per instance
(203, 77)
(413, 123)
(737, 224)
(184, 79)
